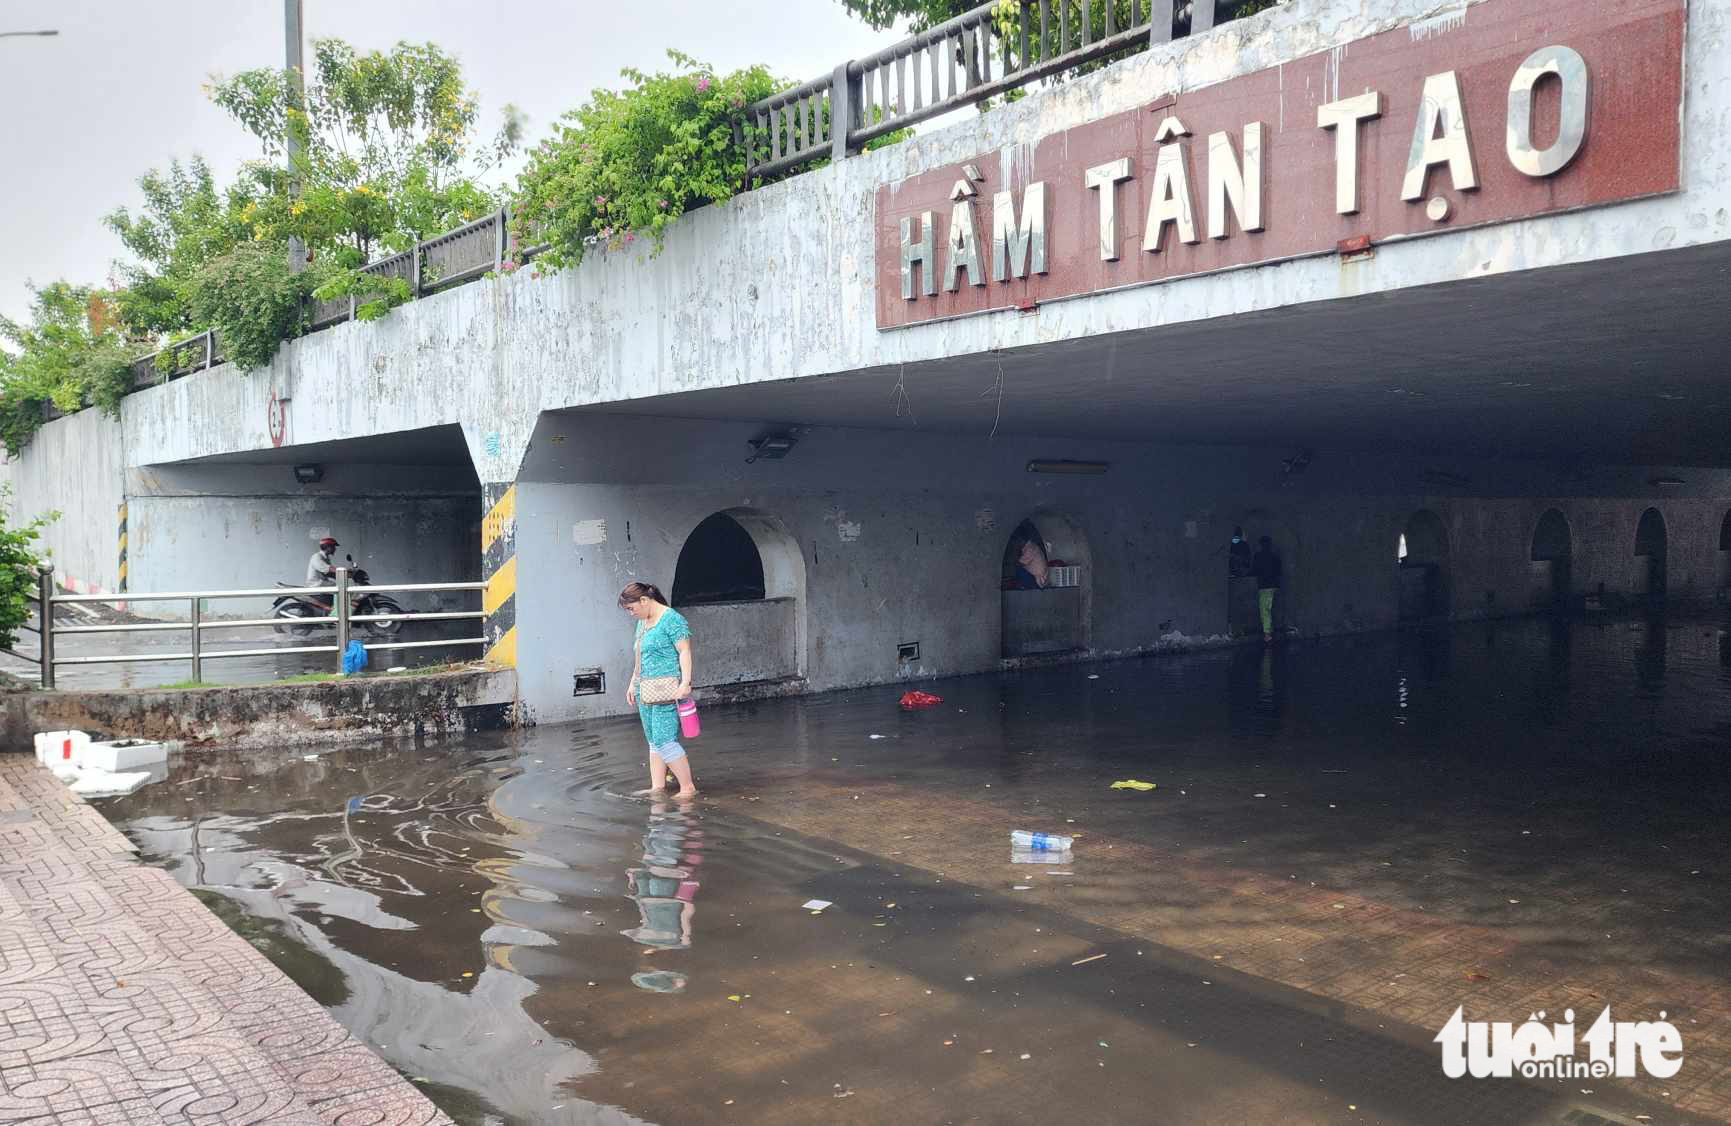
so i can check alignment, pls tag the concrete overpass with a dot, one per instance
(1550, 342)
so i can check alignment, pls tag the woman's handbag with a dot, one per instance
(658, 690)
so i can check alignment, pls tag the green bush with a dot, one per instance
(253, 300)
(626, 164)
(70, 354)
(20, 562)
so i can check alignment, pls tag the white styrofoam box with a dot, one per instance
(60, 747)
(1064, 576)
(123, 754)
(106, 784)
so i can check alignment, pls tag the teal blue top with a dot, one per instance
(656, 643)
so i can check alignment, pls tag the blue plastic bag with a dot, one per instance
(354, 658)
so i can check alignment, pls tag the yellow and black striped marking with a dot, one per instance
(120, 586)
(499, 571)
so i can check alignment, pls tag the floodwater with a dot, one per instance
(1347, 840)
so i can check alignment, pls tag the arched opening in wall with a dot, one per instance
(1552, 558)
(719, 563)
(740, 582)
(1725, 552)
(1422, 554)
(1650, 555)
(1046, 579)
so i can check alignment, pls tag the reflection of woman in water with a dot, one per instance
(664, 890)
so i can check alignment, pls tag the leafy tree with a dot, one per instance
(388, 148)
(72, 353)
(185, 221)
(20, 561)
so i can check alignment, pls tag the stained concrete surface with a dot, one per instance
(123, 1000)
(1348, 839)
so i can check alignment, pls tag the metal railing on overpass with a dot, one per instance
(980, 54)
(341, 617)
(466, 254)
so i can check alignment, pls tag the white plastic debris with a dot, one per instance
(60, 747)
(107, 784)
(121, 755)
(815, 905)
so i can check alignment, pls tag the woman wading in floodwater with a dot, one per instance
(661, 677)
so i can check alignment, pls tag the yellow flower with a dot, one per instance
(297, 207)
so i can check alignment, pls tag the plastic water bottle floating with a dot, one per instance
(1039, 842)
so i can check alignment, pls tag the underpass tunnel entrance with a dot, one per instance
(1551, 559)
(406, 506)
(1651, 551)
(740, 581)
(1046, 580)
(1422, 554)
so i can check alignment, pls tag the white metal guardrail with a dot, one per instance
(342, 617)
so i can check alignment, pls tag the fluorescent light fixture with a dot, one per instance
(1085, 468)
(1665, 482)
(309, 474)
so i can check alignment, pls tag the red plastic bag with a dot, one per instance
(918, 699)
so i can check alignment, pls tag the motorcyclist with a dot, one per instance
(322, 569)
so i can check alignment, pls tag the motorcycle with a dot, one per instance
(300, 614)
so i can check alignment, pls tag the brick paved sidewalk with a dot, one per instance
(123, 1000)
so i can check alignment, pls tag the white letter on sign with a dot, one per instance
(1228, 182)
(1571, 71)
(1343, 117)
(1016, 242)
(918, 252)
(1104, 178)
(1170, 202)
(962, 248)
(1440, 137)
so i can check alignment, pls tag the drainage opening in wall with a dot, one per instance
(588, 682)
(908, 651)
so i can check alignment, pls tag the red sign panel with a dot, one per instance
(1503, 110)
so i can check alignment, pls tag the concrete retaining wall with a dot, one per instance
(75, 466)
(272, 714)
(747, 640)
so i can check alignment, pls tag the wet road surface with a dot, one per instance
(1348, 840)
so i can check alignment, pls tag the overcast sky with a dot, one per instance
(120, 90)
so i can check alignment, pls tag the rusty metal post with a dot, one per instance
(1160, 22)
(844, 96)
(196, 617)
(45, 605)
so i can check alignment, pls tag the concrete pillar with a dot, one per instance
(497, 444)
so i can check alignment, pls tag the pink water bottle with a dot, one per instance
(689, 726)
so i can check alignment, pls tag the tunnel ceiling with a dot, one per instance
(1616, 362)
(433, 445)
